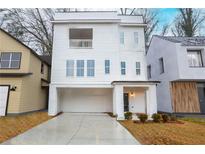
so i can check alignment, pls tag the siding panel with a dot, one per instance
(185, 97)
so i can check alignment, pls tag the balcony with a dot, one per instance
(80, 43)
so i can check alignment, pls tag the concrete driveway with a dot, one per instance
(77, 129)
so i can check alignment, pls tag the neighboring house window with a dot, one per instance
(81, 38)
(136, 37)
(107, 66)
(149, 71)
(194, 58)
(42, 68)
(122, 41)
(137, 68)
(161, 65)
(123, 68)
(10, 60)
(80, 67)
(90, 68)
(70, 68)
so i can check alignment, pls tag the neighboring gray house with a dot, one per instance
(178, 62)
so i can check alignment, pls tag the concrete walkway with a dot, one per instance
(77, 129)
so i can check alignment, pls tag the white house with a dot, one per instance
(99, 65)
(178, 62)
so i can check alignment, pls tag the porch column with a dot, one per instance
(118, 104)
(151, 100)
(53, 101)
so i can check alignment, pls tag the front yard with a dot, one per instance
(190, 131)
(11, 126)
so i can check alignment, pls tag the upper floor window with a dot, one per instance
(122, 38)
(123, 68)
(194, 58)
(80, 67)
(149, 71)
(107, 66)
(137, 68)
(161, 65)
(10, 60)
(42, 68)
(81, 38)
(90, 68)
(70, 68)
(136, 37)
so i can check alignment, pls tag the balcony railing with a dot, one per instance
(80, 43)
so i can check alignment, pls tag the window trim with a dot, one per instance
(73, 68)
(122, 68)
(123, 38)
(80, 67)
(136, 37)
(149, 71)
(17, 68)
(138, 68)
(91, 68)
(200, 53)
(107, 67)
(161, 65)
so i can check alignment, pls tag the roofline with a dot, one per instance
(86, 21)
(31, 50)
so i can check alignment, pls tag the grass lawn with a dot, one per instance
(11, 126)
(190, 132)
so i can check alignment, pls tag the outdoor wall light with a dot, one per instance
(13, 88)
(131, 94)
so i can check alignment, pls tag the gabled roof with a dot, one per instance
(31, 50)
(185, 41)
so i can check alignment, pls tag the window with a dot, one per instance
(121, 37)
(137, 68)
(80, 67)
(194, 58)
(136, 37)
(123, 68)
(81, 38)
(149, 75)
(161, 65)
(42, 68)
(107, 66)
(10, 60)
(70, 68)
(90, 68)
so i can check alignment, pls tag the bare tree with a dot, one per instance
(188, 22)
(165, 30)
(31, 26)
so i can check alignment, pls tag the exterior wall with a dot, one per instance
(8, 44)
(185, 97)
(102, 49)
(14, 97)
(167, 50)
(186, 72)
(137, 102)
(34, 97)
(86, 99)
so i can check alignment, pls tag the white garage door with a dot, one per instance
(4, 91)
(86, 100)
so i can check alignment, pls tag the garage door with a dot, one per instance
(86, 100)
(4, 91)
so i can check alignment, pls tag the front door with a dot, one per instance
(126, 102)
(201, 92)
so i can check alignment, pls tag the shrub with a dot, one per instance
(165, 117)
(128, 115)
(156, 117)
(173, 118)
(143, 117)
